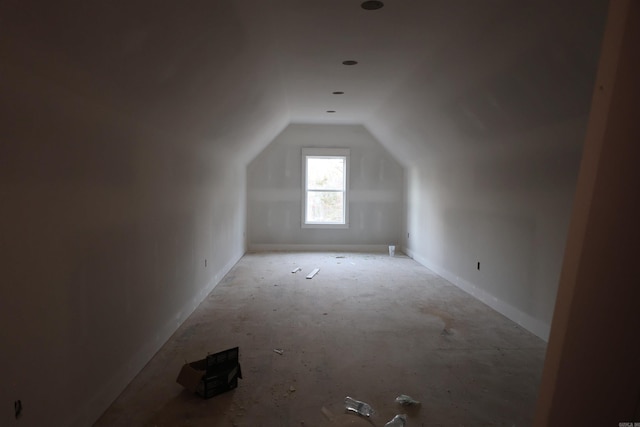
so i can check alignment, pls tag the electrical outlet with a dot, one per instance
(17, 408)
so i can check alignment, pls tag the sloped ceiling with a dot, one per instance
(205, 69)
(439, 76)
(236, 72)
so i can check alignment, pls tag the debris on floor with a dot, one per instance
(292, 389)
(279, 351)
(341, 256)
(397, 421)
(212, 375)
(328, 414)
(295, 270)
(316, 354)
(405, 400)
(360, 408)
(313, 273)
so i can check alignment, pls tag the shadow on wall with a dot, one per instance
(113, 187)
(504, 242)
(519, 97)
(490, 129)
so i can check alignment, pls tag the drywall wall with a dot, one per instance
(275, 191)
(490, 130)
(507, 212)
(121, 205)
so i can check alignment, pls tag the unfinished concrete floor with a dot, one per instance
(367, 325)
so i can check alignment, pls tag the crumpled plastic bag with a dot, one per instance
(405, 400)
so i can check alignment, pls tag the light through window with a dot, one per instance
(325, 187)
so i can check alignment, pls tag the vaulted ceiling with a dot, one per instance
(431, 74)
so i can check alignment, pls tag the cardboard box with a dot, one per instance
(212, 375)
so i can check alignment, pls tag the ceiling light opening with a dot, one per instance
(372, 5)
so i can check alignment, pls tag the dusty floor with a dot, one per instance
(367, 325)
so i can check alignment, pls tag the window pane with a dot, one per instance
(325, 174)
(325, 206)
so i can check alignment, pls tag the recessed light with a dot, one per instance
(350, 62)
(338, 93)
(372, 5)
(331, 111)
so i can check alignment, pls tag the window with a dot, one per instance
(325, 172)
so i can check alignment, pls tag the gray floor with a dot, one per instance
(367, 325)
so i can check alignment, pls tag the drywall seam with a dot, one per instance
(533, 325)
(259, 247)
(120, 380)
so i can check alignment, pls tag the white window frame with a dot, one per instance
(325, 153)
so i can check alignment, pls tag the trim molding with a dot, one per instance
(533, 325)
(103, 398)
(265, 247)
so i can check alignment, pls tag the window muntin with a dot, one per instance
(325, 199)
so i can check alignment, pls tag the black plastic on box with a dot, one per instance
(223, 360)
(212, 375)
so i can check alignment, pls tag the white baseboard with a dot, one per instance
(268, 247)
(98, 403)
(533, 325)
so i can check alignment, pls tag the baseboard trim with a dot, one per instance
(119, 381)
(261, 247)
(533, 325)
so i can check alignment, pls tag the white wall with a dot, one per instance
(116, 184)
(490, 132)
(275, 191)
(508, 213)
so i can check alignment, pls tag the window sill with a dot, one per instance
(338, 226)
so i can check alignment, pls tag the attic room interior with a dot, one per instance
(158, 205)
